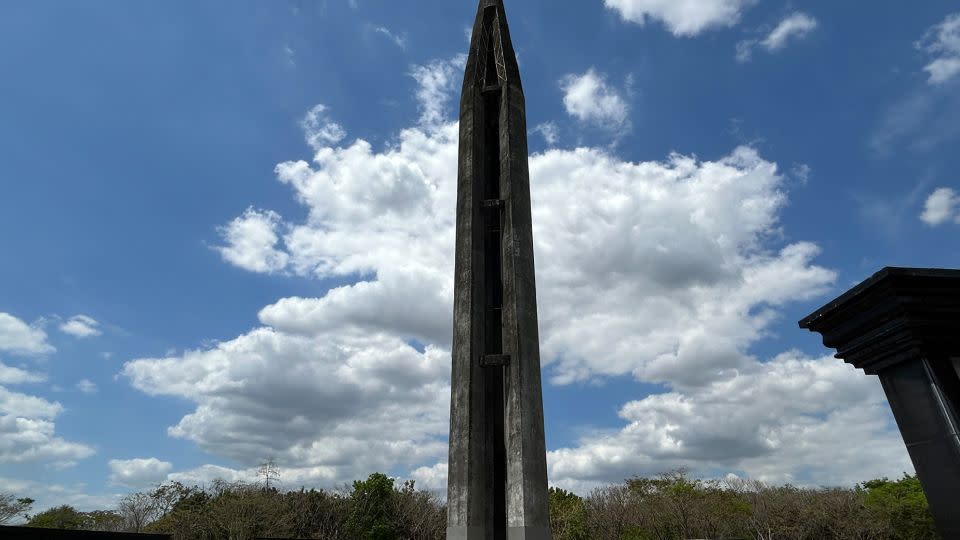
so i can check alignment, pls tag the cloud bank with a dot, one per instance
(27, 429)
(664, 271)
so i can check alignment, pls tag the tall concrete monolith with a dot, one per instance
(497, 487)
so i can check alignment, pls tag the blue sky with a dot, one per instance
(228, 233)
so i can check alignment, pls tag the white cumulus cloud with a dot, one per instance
(12, 375)
(87, 386)
(942, 42)
(549, 131)
(27, 432)
(252, 242)
(662, 271)
(18, 337)
(682, 17)
(22, 405)
(81, 326)
(432, 478)
(435, 81)
(589, 98)
(795, 26)
(138, 473)
(319, 130)
(942, 206)
(792, 410)
(49, 494)
(207, 474)
(26, 422)
(341, 404)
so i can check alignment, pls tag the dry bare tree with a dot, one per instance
(269, 472)
(610, 512)
(11, 507)
(137, 510)
(420, 513)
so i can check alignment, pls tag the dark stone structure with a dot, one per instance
(903, 324)
(34, 533)
(497, 469)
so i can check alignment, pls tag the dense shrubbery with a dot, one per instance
(68, 517)
(375, 509)
(673, 506)
(669, 507)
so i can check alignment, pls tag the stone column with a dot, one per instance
(497, 479)
(903, 324)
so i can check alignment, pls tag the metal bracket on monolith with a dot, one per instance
(903, 324)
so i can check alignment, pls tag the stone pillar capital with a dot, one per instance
(897, 315)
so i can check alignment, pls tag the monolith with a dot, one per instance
(497, 476)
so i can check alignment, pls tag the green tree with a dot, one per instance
(904, 505)
(185, 513)
(168, 495)
(371, 508)
(568, 515)
(61, 517)
(669, 506)
(11, 507)
(681, 497)
(315, 514)
(241, 511)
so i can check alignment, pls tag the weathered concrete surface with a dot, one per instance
(529, 533)
(466, 533)
(497, 468)
(903, 324)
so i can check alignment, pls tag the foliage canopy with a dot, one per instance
(671, 506)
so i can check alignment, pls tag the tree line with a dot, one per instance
(671, 506)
